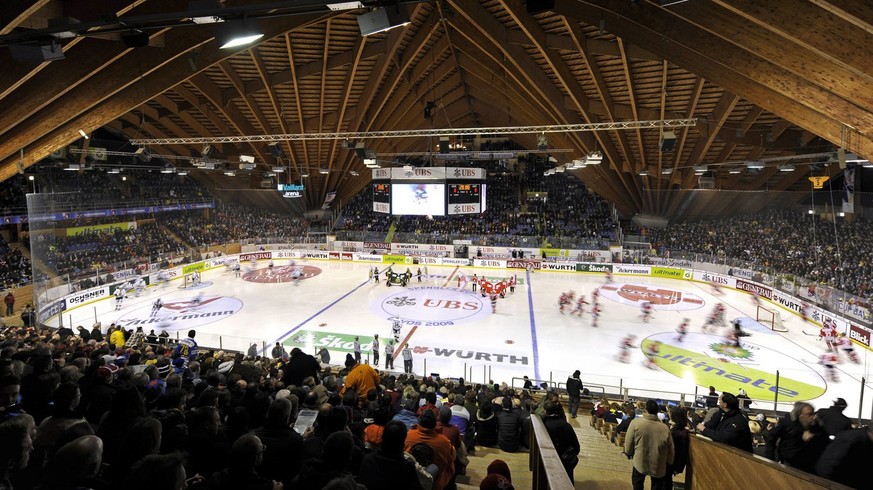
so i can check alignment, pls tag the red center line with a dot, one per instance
(399, 348)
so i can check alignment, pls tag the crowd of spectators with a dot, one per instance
(14, 267)
(781, 241)
(233, 223)
(123, 409)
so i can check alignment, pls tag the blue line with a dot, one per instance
(319, 312)
(533, 328)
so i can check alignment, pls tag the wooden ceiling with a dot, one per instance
(764, 80)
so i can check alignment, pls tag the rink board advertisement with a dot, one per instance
(634, 270)
(670, 273)
(500, 264)
(602, 268)
(255, 256)
(82, 297)
(713, 278)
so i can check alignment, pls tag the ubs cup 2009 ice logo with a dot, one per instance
(431, 306)
(182, 314)
(661, 298)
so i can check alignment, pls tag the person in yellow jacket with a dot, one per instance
(361, 378)
(116, 337)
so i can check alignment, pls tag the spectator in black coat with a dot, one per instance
(847, 458)
(729, 425)
(832, 419)
(563, 436)
(574, 391)
(299, 367)
(508, 427)
(798, 438)
(283, 444)
(246, 455)
(486, 425)
(681, 438)
(386, 468)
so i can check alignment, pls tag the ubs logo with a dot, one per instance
(430, 306)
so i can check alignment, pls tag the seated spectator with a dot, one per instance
(75, 466)
(508, 428)
(498, 477)
(486, 426)
(729, 425)
(386, 468)
(159, 471)
(444, 453)
(334, 462)
(246, 456)
(283, 445)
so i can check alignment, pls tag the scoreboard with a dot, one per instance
(382, 197)
(466, 198)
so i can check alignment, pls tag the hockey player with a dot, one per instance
(653, 350)
(682, 329)
(375, 275)
(120, 292)
(195, 303)
(370, 272)
(595, 314)
(830, 360)
(396, 324)
(195, 278)
(156, 306)
(625, 347)
(715, 318)
(806, 312)
(565, 300)
(756, 300)
(138, 286)
(475, 282)
(608, 276)
(595, 296)
(512, 283)
(236, 269)
(580, 306)
(295, 276)
(493, 297)
(646, 310)
(732, 338)
(418, 274)
(716, 288)
(828, 333)
(845, 343)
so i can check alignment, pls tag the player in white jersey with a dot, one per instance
(156, 306)
(625, 347)
(163, 279)
(195, 278)
(195, 303)
(595, 314)
(295, 275)
(119, 298)
(139, 286)
(646, 310)
(682, 329)
(396, 324)
(236, 268)
(845, 343)
(806, 312)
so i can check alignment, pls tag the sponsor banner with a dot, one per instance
(123, 274)
(670, 272)
(347, 246)
(600, 256)
(381, 207)
(786, 301)
(256, 256)
(395, 259)
(333, 255)
(522, 264)
(478, 252)
(368, 258)
(328, 200)
(83, 297)
(426, 259)
(315, 255)
(636, 270)
(753, 288)
(381, 173)
(711, 277)
(462, 242)
(377, 246)
(418, 173)
(220, 261)
(682, 263)
(566, 267)
(853, 310)
(451, 261)
(106, 229)
(503, 356)
(465, 173)
(311, 340)
(594, 268)
(500, 264)
(199, 267)
(108, 212)
(747, 274)
(286, 254)
(405, 247)
(464, 209)
(556, 252)
(860, 335)
(346, 256)
(50, 310)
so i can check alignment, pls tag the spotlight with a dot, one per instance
(594, 158)
(323, 171)
(278, 170)
(84, 134)
(235, 33)
(381, 20)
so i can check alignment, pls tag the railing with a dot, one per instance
(545, 463)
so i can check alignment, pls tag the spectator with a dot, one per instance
(796, 440)
(846, 459)
(486, 425)
(563, 437)
(508, 427)
(283, 445)
(75, 466)
(386, 468)
(246, 454)
(10, 303)
(299, 367)
(361, 379)
(729, 425)
(681, 440)
(16, 443)
(574, 392)
(650, 446)
(832, 419)
(498, 477)
(159, 472)
(444, 452)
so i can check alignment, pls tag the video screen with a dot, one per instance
(418, 199)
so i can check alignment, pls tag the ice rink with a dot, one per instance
(454, 333)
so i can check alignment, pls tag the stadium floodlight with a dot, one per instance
(237, 33)
(700, 169)
(666, 171)
(304, 175)
(755, 164)
(278, 170)
(73, 167)
(182, 172)
(560, 169)
(370, 162)
(735, 171)
(644, 173)
(345, 6)
(168, 170)
(230, 173)
(247, 159)
(354, 173)
(594, 158)
(786, 168)
(323, 171)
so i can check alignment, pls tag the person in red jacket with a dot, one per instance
(444, 452)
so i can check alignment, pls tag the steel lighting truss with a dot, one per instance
(413, 133)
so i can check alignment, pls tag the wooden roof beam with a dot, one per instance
(856, 13)
(258, 61)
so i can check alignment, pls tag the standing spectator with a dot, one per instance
(323, 355)
(96, 334)
(10, 303)
(283, 445)
(847, 458)
(712, 398)
(650, 446)
(832, 419)
(299, 367)
(681, 439)
(508, 427)
(444, 453)
(28, 316)
(574, 392)
(361, 378)
(376, 350)
(386, 468)
(729, 425)
(278, 352)
(798, 438)
(251, 353)
(563, 437)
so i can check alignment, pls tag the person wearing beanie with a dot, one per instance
(444, 453)
(386, 468)
(498, 477)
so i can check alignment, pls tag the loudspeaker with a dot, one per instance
(535, 6)
(668, 141)
(444, 144)
(36, 53)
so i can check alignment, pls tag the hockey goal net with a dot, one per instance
(771, 318)
(188, 280)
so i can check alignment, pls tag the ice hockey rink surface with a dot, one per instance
(453, 332)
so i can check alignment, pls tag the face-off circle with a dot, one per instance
(431, 306)
(282, 273)
(661, 298)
